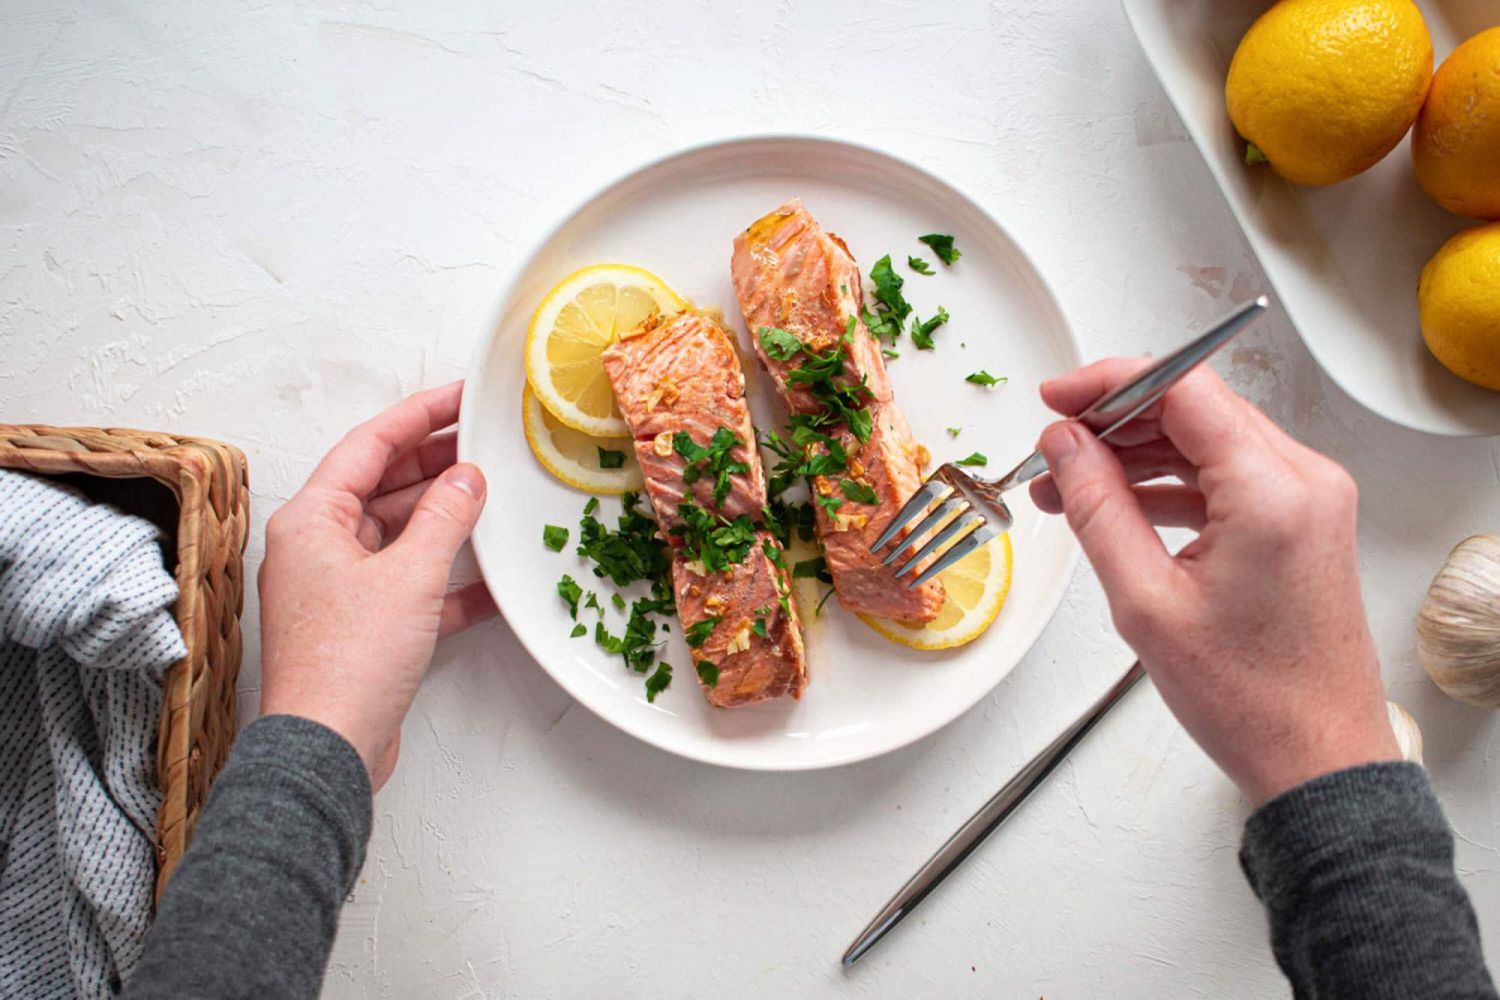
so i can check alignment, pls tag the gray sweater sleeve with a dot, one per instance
(1356, 872)
(253, 907)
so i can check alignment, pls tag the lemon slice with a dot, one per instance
(573, 456)
(976, 585)
(580, 317)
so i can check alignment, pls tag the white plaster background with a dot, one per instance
(263, 221)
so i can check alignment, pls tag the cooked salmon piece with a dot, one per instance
(683, 375)
(888, 463)
(751, 667)
(678, 376)
(792, 276)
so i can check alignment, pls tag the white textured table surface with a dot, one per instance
(262, 222)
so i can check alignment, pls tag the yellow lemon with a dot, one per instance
(581, 316)
(1459, 299)
(977, 586)
(1324, 89)
(1456, 147)
(590, 464)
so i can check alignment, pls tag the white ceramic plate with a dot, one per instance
(1343, 259)
(678, 217)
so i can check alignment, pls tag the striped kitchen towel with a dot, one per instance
(86, 634)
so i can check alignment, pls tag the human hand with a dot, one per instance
(354, 586)
(1254, 633)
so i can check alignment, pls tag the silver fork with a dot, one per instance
(970, 511)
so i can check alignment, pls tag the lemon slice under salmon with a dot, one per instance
(575, 457)
(581, 316)
(976, 586)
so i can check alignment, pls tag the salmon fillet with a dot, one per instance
(792, 276)
(681, 389)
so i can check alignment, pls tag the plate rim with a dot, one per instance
(487, 562)
(1252, 239)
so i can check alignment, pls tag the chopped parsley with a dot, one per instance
(779, 344)
(857, 491)
(630, 553)
(710, 459)
(942, 245)
(610, 459)
(697, 633)
(578, 630)
(921, 330)
(591, 506)
(659, 681)
(953, 431)
(975, 459)
(708, 673)
(983, 377)
(830, 505)
(888, 353)
(712, 539)
(592, 601)
(889, 314)
(617, 601)
(570, 592)
(816, 569)
(818, 611)
(919, 265)
(758, 627)
(554, 537)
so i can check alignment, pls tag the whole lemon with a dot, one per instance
(1456, 147)
(1459, 299)
(1325, 88)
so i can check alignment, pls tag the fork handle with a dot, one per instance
(1118, 408)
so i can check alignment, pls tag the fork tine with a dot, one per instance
(960, 549)
(939, 516)
(962, 525)
(931, 490)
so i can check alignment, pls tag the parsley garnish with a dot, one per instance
(570, 592)
(921, 330)
(888, 353)
(857, 491)
(975, 459)
(779, 344)
(919, 265)
(593, 602)
(697, 633)
(591, 506)
(712, 459)
(953, 431)
(631, 553)
(617, 601)
(610, 459)
(712, 539)
(816, 569)
(659, 681)
(577, 631)
(758, 627)
(830, 505)
(708, 673)
(983, 377)
(942, 245)
(891, 308)
(554, 537)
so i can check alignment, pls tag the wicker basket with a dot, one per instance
(202, 504)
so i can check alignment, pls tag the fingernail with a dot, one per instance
(467, 478)
(1060, 443)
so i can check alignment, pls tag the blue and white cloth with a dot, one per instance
(86, 635)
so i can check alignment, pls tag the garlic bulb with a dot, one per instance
(1458, 628)
(1408, 736)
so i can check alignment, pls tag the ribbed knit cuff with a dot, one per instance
(1365, 809)
(320, 760)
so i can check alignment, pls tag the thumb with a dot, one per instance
(1104, 513)
(444, 516)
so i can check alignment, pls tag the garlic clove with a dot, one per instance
(1458, 628)
(1408, 736)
